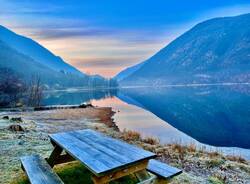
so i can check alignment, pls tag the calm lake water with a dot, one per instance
(212, 117)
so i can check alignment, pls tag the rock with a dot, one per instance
(21, 142)
(20, 136)
(5, 117)
(16, 128)
(85, 105)
(19, 119)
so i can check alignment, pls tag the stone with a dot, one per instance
(21, 142)
(5, 117)
(16, 128)
(19, 119)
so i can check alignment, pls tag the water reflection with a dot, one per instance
(76, 96)
(217, 116)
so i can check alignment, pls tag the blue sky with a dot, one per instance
(106, 36)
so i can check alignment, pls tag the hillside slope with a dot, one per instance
(35, 51)
(26, 68)
(217, 50)
(28, 59)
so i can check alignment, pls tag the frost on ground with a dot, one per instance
(198, 165)
(34, 139)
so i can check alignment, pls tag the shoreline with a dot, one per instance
(199, 166)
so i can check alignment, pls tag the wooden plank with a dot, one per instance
(107, 160)
(80, 153)
(39, 171)
(162, 170)
(120, 146)
(120, 173)
(102, 147)
(102, 154)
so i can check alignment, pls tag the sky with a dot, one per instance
(104, 37)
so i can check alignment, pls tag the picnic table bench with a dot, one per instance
(105, 157)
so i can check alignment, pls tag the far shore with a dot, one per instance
(199, 166)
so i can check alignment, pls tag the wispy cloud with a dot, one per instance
(17, 7)
(91, 37)
(60, 33)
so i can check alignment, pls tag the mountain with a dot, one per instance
(34, 50)
(28, 59)
(128, 71)
(26, 68)
(217, 50)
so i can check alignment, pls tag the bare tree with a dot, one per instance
(35, 92)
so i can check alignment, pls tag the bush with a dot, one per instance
(214, 163)
(151, 140)
(215, 180)
(129, 135)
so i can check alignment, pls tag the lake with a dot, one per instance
(214, 117)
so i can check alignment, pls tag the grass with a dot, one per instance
(76, 173)
(214, 162)
(129, 135)
(199, 166)
(215, 180)
(236, 159)
(72, 173)
(151, 140)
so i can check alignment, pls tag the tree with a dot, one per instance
(12, 89)
(35, 92)
(113, 83)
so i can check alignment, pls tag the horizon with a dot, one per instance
(102, 42)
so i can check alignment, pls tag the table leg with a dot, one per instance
(54, 155)
(120, 173)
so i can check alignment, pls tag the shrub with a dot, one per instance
(191, 148)
(130, 135)
(236, 159)
(151, 140)
(215, 180)
(214, 163)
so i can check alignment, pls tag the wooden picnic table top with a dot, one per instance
(99, 153)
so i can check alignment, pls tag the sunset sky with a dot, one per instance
(107, 36)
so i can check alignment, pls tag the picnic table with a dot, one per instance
(105, 157)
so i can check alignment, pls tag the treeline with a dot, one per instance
(16, 92)
(100, 82)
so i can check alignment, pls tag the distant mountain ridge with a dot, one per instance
(216, 50)
(34, 50)
(26, 58)
(128, 71)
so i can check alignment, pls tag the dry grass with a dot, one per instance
(199, 166)
(151, 140)
(179, 148)
(217, 179)
(129, 135)
(213, 154)
(214, 162)
(191, 147)
(236, 159)
(102, 113)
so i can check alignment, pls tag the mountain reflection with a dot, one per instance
(217, 116)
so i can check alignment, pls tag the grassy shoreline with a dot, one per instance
(199, 166)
